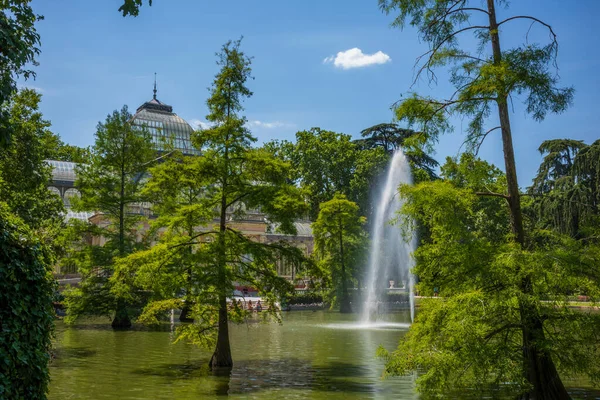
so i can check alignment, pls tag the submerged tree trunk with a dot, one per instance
(185, 311)
(121, 319)
(538, 368)
(221, 359)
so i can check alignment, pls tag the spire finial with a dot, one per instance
(154, 86)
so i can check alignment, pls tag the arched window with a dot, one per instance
(69, 194)
(55, 190)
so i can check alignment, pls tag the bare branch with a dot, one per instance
(533, 19)
(431, 53)
(484, 136)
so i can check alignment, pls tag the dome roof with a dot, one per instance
(163, 124)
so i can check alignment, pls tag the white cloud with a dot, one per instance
(355, 58)
(22, 86)
(268, 125)
(199, 124)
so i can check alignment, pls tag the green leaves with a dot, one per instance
(340, 241)
(19, 42)
(132, 7)
(24, 175)
(471, 336)
(111, 184)
(26, 316)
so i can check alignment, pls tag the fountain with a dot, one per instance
(390, 255)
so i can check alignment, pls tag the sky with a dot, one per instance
(333, 64)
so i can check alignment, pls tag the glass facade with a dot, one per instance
(168, 130)
(62, 170)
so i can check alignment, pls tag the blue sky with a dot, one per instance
(93, 61)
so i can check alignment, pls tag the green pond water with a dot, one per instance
(312, 355)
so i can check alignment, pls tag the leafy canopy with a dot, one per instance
(24, 175)
(475, 326)
(111, 185)
(340, 241)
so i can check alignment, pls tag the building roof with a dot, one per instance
(62, 170)
(164, 125)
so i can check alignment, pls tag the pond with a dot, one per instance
(312, 355)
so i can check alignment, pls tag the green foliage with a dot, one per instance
(340, 241)
(476, 326)
(305, 298)
(326, 162)
(485, 76)
(392, 137)
(26, 312)
(566, 190)
(110, 184)
(60, 151)
(481, 79)
(19, 43)
(201, 201)
(24, 176)
(132, 7)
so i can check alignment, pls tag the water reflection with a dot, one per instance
(312, 355)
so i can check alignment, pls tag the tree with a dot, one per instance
(484, 80)
(476, 324)
(30, 219)
(26, 312)
(201, 201)
(391, 137)
(111, 185)
(18, 48)
(61, 151)
(24, 176)
(327, 162)
(565, 191)
(339, 243)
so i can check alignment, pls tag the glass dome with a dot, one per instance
(165, 126)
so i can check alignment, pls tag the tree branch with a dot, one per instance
(504, 196)
(484, 136)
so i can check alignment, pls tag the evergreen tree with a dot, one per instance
(202, 250)
(476, 325)
(391, 137)
(111, 185)
(340, 239)
(484, 80)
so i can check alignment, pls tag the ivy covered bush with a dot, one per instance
(26, 311)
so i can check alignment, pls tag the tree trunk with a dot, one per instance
(185, 311)
(345, 307)
(121, 319)
(538, 368)
(221, 359)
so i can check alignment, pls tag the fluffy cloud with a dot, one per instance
(355, 58)
(267, 125)
(199, 124)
